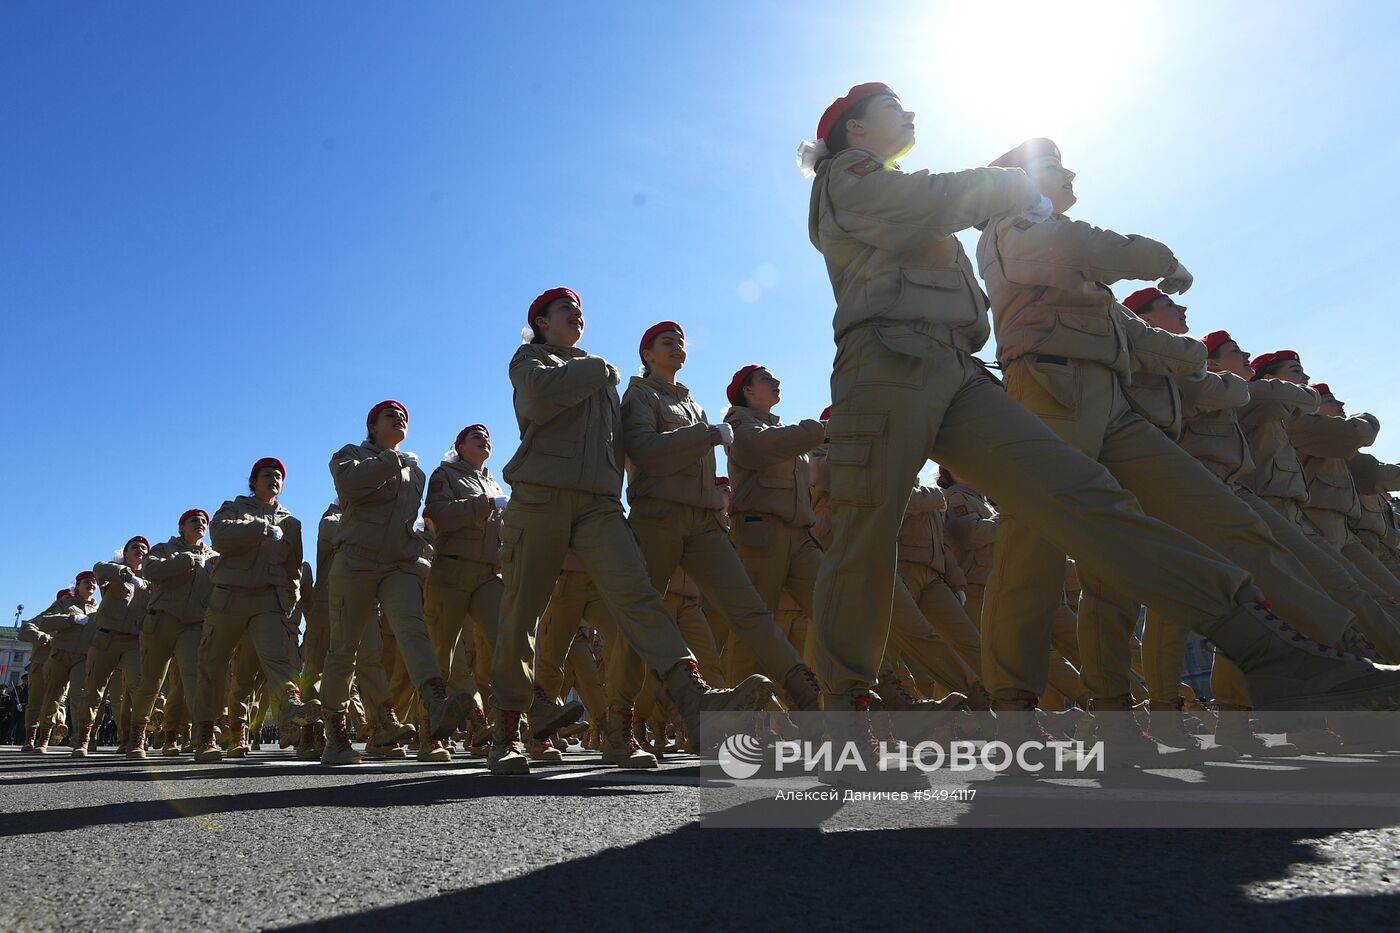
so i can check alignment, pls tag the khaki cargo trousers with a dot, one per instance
(233, 614)
(462, 596)
(109, 651)
(540, 524)
(357, 586)
(901, 396)
(1084, 404)
(744, 585)
(163, 637)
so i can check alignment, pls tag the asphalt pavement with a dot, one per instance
(272, 843)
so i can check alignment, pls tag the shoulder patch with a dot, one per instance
(865, 167)
(437, 483)
(961, 510)
(1023, 223)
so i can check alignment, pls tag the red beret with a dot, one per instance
(191, 512)
(462, 434)
(1022, 154)
(63, 594)
(141, 538)
(842, 105)
(540, 304)
(1216, 339)
(1277, 356)
(734, 393)
(826, 414)
(1142, 298)
(1322, 388)
(84, 575)
(277, 464)
(657, 329)
(721, 481)
(374, 412)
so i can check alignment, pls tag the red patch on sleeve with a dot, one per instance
(961, 510)
(865, 167)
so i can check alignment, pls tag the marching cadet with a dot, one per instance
(1376, 526)
(30, 632)
(906, 388)
(1200, 412)
(178, 571)
(253, 590)
(463, 592)
(312, 740)
(1041, 277)
(60, 643)
(675, 504)
(1324, 442)
(1276, 475)
(115, 641)
(566, 487)
(771, 518)
(377, 559)
(1279, 395)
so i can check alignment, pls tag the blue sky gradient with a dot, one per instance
(228, 231)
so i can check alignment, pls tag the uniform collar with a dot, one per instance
(678, 390)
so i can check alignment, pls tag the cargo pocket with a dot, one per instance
(897, 356)
(218, 598)
(856, 456)
(510, 540)
(752, 532)
(531, 498)
(1051, 386)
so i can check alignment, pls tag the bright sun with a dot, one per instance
(1031, 68)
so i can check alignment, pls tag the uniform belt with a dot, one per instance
(943, 333)
(1048, 358)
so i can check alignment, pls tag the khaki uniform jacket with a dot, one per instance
(670, 445)
(1049, 286)
(180, 578)
(887, 237)
(325, 551)
(124, 602)
(249, 557)
(462, 507)
(1374, 483)
(972, 531)
(768, 467)
(1211, 430)
(1272, 404)
(380, 492)
(570, 421)
(57, 622)
(921, 535)
(1324, 445)
(1167, 401)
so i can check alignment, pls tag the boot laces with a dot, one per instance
(437, 688)
(1303, 641)
(511, 725)
(693, 670)
(632, 743)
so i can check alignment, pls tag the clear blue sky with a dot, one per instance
(226, 231)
